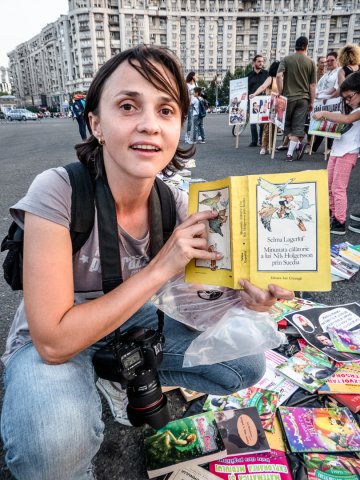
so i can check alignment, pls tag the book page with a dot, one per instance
(289, 230)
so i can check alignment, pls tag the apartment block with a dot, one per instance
(209, 36)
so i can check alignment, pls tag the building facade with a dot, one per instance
(209, 36)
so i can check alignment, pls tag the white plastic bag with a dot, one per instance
(239, 332)
(230, 330)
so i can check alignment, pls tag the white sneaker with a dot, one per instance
(263, 151)
(116, 398)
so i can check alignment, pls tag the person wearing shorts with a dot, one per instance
(296, 80)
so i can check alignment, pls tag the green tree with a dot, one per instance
(224, 89)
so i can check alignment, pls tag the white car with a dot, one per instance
(20, 114)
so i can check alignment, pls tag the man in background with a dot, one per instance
(320, 67)
(255, 79)
(296, 80)
(77, 108)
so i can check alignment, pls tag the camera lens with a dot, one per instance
(147, 403)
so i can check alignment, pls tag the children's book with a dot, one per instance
(346, 251)
(344, 340)
(191, 440)
(342, 268)
(275, 438)
(282, 307)
(352, 402)
(345, 380)
(241, 431)
(265, 466)
(313, 325)
(309, 368)
(320, 429)
(331, 467)
(190, 395)
(265, 402)
(285, 215)
(191, 472)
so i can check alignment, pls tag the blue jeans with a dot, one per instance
(51, 418)
(198, 128)
(82, 126)
(189, 124)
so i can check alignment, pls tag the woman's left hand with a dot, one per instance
(262, 300)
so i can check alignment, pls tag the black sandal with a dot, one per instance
(281, 148)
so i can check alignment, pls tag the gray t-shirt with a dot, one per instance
(49, 197)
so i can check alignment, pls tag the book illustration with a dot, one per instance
(284, 202)
(268, 229)
(351, 401)
(326, 128)
(313, 325)
(266, 466)
(265, 402)
(192, 472)
(345, 380)
(308, 368)
(219, 227)
(342, 268)
(331, 467)
(282, 307)
(241, 431)
(320, 429)
(345, 341)
(194, 439)
(275, 438)
(190, 395)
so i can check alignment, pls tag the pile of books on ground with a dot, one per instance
(255, 433)
(183, 178)
(345, 261)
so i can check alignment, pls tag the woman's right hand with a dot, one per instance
(189, 240)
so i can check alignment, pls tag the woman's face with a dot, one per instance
(140, 124)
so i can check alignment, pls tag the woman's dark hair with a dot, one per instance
(274, 68)
(146, 61)
(351, 82)
(190, 77)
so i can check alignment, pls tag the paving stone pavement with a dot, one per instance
(28, 148)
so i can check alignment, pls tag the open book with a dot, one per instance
(271, 228)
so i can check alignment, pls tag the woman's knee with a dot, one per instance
(46, 411)
(243, 373)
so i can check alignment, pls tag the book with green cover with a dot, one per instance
(331, 467)
(190, 440)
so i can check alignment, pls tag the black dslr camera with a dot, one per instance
(131, 359)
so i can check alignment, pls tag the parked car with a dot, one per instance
(20, 114)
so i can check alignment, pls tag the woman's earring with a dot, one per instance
(101, 141)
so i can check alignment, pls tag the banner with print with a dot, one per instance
(278, 110)
(260, 109)
(238, 101)
(325, 128)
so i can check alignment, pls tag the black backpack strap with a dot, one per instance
(108, 236)
(82, 204)
(168, 208)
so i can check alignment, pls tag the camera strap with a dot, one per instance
(109, 237)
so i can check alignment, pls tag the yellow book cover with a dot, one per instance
(271, 228)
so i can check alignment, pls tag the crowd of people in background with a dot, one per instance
(336, 75)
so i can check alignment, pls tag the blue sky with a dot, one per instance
(22, 19)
